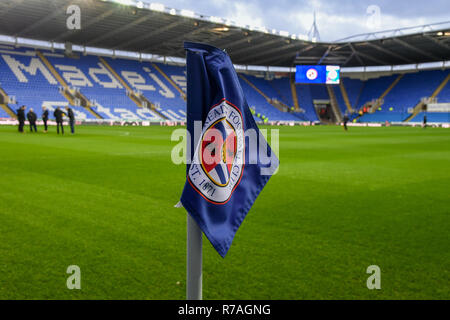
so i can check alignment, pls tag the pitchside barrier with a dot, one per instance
(168, 123)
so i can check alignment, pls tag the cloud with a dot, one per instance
(244, 13)
(335, 19)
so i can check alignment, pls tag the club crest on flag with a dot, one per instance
(218, 162)
(229, 160)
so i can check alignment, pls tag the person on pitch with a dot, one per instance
(45, 118)
(21, 118)
(71, 119)
(346, 119)
(32, 117)
(58, 114)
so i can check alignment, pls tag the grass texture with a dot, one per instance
(103, 199)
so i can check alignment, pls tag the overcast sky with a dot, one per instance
(335, 18)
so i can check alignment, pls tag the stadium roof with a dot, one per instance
(135, 26)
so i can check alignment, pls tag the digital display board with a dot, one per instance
(317, 74)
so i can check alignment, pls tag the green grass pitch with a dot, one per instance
(104, 198)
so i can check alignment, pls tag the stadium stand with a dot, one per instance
(258, 92)
(35, 78)
(142, 77)
(406, 94)
(444, 95)
(282, 88)
(411, 88)
(432, 117)
(353, 88)
(25, 77)
(99, 85)
(374, 88)
(176, 75)
(306, 101)
(3, 113)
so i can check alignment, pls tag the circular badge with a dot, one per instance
(218, 162)
(311, 74)
(332, 75)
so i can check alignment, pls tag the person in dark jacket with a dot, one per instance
(71, 119)
(58, 114)
(32, 117)
(346, 119)
(424, 124)
(45, 118)
(21, 118)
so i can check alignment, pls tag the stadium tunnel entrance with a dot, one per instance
(324, 111)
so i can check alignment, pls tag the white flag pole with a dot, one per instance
(193, 260)
(194, 235)
(193, 257)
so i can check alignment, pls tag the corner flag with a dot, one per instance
(227, 170)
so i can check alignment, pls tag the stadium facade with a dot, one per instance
(126, 64)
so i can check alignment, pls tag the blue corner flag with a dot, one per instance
(231, 161)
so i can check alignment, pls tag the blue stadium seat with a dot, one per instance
(24, 75)
(305, 100)
(439, 117)
(412, 88)
(143, 77)
(259, 103)
(353, 87)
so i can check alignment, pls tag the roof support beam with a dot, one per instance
(61, 10)
(389, 52)
(120, 29)
(409, 46)
(282, 56)
(151, 34)
(91, 22)
(369, 57)
(244, 40)
(324, 55)
(276, 49)
(183, 36)
(365, 55)
(253, 47)
(355, 54)
(11, 7)
(348, 59)
(439, 43)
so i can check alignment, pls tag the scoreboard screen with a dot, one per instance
(317, 74)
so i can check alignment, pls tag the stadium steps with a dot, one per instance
(345, 96)
(131, 94)
(275, 103)
(282, 101)
(334, 104)
(8, 110)
(294, 94)
(254, 87)
(139, 99)
(355, 106)
(170, 81)
(380, 100)
(4, 104)
(70, 95)
(375, 104)
(440, 87)
(393, 84)
(420, 106)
